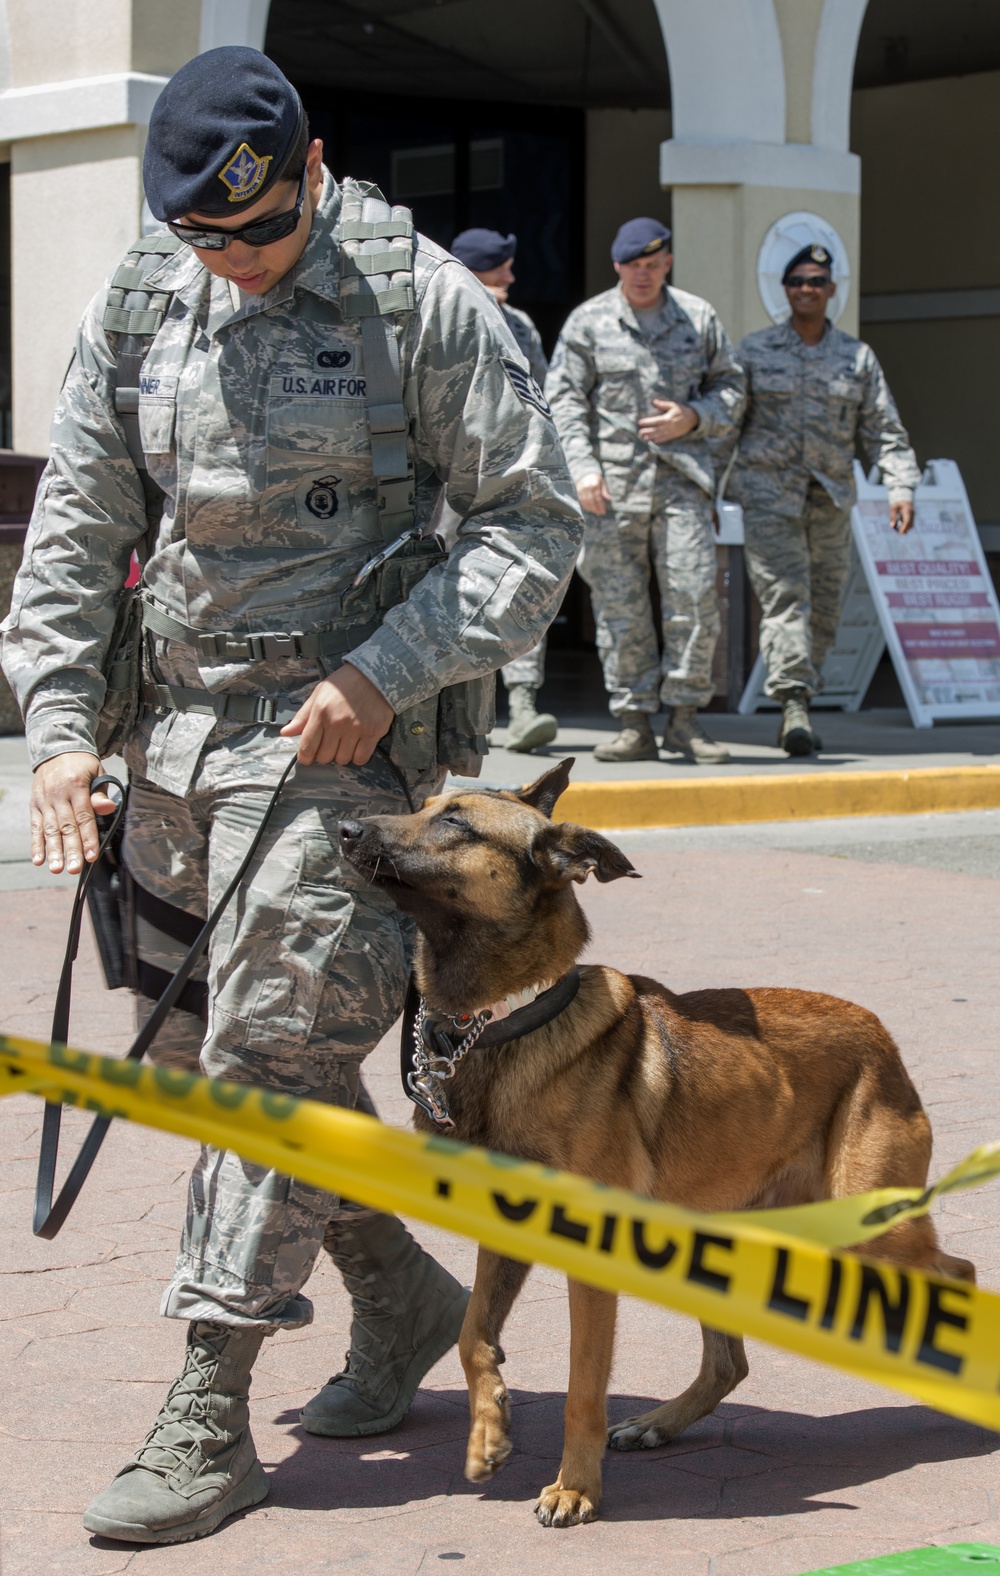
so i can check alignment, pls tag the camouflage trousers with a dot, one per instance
(529, 669)
(306, 971)
(618, 551)
(798, 567)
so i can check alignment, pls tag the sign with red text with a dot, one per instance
(934, 597)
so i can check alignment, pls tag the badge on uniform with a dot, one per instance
(321, 499)
(245, 173)
(524, 386)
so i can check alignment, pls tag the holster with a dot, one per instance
(107, 905)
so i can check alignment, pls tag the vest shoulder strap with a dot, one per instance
(135, 313)
(376, 288)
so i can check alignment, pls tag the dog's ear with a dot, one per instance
(542, 795)
(570, 853)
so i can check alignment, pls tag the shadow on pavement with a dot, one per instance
(743, 1461)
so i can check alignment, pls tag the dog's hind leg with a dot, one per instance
(576, 1492)
(723, 1367)
(498, 1281)
(881, 1137)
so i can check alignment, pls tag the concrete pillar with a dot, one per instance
(761, 93)
(77, 84)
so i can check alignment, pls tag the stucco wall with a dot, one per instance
(931, 222)
(90, 181)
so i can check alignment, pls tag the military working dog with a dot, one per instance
(715, 1100)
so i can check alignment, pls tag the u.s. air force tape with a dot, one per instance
(748, 1274)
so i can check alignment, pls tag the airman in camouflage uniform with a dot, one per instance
(643, 383)
(490, 256)
(258, 425)
(813, 394)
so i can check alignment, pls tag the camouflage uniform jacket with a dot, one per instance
(529, 341)
(807, 408)
(271, 505)
(605, 373)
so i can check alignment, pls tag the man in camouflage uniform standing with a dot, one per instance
(490, 256)
(265, 407)
(643, 385)
(813, 394)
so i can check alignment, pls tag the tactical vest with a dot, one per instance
(376, 290)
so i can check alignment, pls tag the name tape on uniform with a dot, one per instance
(755, 1273)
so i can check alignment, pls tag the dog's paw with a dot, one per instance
(636, 1434)
(489, 1450)
(564, 1507)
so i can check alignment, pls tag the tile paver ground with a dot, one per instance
(803, 1467)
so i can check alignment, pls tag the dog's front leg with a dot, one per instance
(498, 1281)
(576, 1492)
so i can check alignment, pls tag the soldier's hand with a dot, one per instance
(342, 721)
(674, 422)
(901, 517)
(63, 826)
(593, 494)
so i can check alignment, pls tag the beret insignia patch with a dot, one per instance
(654, 246)
(245, 173)
(524, 386)
(819, 254)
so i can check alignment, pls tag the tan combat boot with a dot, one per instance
(685, 734)
(634, 743)
(527, 729)
(796, 734)
(408, 1312)
(198, 1464)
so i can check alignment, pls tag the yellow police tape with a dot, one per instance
(755, 1274)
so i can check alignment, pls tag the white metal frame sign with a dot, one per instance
(934, 597)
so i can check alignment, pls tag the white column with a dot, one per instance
(77, 84)
(743, 74)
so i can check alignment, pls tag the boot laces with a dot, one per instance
(192, 1424)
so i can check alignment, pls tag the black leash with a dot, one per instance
(49, 1217)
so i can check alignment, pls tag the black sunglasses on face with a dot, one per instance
(807, 281)
(276, 227)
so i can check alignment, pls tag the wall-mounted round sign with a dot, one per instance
(786, 237)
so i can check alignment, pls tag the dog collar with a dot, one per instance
(433, 1045)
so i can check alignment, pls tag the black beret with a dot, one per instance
(639, 238)
(809, 254)
(482, 250)
(220, 134)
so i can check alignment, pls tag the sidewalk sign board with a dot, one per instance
(850, 666)
(932, 596)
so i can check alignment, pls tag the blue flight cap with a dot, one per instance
(814, 253)
(220, 134)
(482, 250)
(639, 238)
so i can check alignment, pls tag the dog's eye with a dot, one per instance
(454, 820)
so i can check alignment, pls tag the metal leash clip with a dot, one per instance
(368, 569)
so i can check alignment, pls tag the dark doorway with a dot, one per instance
(510, 167)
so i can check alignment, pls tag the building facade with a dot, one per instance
(724, 117)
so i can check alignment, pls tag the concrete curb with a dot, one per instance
(726, 801)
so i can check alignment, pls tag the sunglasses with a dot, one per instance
(807, 282)
(276, 227)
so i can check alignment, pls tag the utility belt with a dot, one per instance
(448, 729)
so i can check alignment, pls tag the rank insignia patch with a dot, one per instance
(524, 386)
(321, 499)
(245, 173)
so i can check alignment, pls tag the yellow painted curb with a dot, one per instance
(727, 801)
